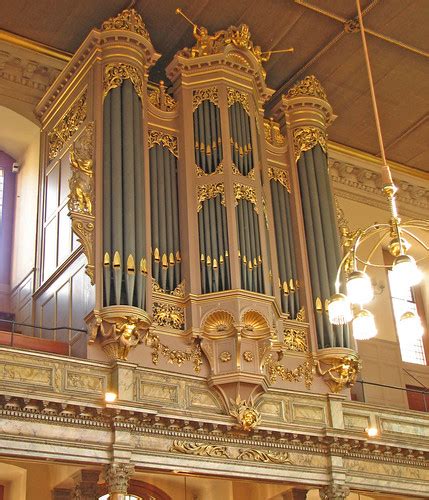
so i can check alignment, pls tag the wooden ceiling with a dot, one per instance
(399, 53)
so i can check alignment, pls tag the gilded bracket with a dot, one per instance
(339, 370)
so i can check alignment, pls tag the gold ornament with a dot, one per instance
(128, 20)
(205, 94)
(273, 134)
(243, 192)
(246, 414)
(208, 191)
(306, 138)
(309, 86)
(116, 73)
(295, 340)
(341, 372)
(169, 315)
(280, 175)
(234, 96)
(166, 140)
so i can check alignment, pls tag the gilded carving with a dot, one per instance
(225, 356)
(179, 291)
(67, 126)
(218, 324)
(272, 133)
(234, 96)
(128, 20)
(173, 356)
(304, 371)
(248, 356)
(341, 372)
(295, 340)
(280, 175)
(306, 138)
(248, 417)
(250, 175)
(200, 172)
(220, 451)
(309, 86)
(301, 317)
(83, 226)
(161, 99)
(207, 191)
(243, 192)
(166, 140)
(205, 94)
(120, 329)
(116, 73)
(169, 315)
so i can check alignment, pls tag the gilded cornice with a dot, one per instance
(305, 138)
(309, 87)
(116, 73)
(128, 20)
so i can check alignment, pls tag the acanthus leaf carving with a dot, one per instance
(305, 138)
(166, 140)
(116, 73)
(208, 191)
(281, 176)
(309, 86)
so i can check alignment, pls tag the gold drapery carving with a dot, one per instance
(273, 134)
(280, 175)
(243, 192)
(295, 340)
(306, 138)
(174, 356)
(81, 195)
(208, 94)
(309, 86)
(207, 191)
(170, 315)
(116, 73)
(200, 172)
(163, 139)
(221, 451)
(128, 20)
(67, 126)
(235, 95)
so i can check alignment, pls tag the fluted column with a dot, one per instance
(117, 477)
(334, 492)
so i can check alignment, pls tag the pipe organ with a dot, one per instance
(209, 230)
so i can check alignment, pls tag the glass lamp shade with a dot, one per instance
(339, 309)
(359, 288)
(410, 327)
(405, 270)
(364, 325)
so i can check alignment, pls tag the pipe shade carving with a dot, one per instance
(322, 241)
(124, 242)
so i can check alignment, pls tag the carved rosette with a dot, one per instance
(339, 368)
(81, 195)
(117, 477)
(119, 329)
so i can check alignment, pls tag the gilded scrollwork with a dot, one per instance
(340, 371)
(295, 340)
(206, 94)
(161, 99)
(301, 316)
(81, 195)
(273, 134)
(174, 356)
(309, 86)
(306, 138)
(208, 191)
(243, 192)
(179, 291)
(166, 140)
(128, 20)
(169, 315)
(280, 175)
(235, 95)
(200, 449)
(67, 126)
(116, 73)
(200, 172)
(273, 457)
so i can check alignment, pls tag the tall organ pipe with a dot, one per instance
(207, 137)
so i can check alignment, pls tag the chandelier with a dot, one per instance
(398, 236)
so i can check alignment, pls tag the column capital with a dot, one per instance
(334, 492)
(117, 477)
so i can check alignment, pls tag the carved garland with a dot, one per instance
(220, 451)
(207, 191)
(116, 73)
(280, 175)
(303, 371)
(67, 126)
(237, 96)
(208, 94)
(309, 86)
(128, 20)
(163, 139)
(81, 195)
(306, 138)
(243, 192)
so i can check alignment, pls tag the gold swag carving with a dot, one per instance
(306, 138)
(128, 20)
(207, 191)
(304, 371)
(163, 139)
(243, 192)
(207, 94)
(234, 96)
(309, 86)
(280, 175)
(116, 73)
(67, 126)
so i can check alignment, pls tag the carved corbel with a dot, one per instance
(339, 368)
(119, 328)
(81, 197)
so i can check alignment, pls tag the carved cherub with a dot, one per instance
(342, 374)
(205, 41)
